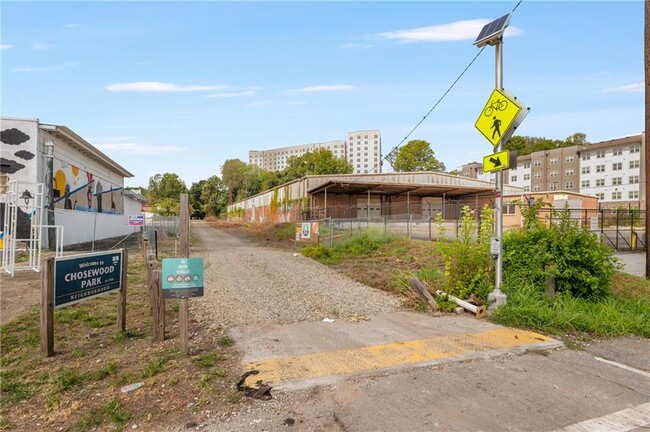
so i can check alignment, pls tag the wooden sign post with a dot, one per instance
(184, 232)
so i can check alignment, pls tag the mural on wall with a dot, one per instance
(14, 159)
(76, 189)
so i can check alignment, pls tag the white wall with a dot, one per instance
(80, 226)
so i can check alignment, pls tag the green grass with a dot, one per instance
(120, 337)
(614, 315)
(66, 378)
(226, 342)
(209, 359)
(358, 244)
(113, 411)
(108, 370)
(155, 366)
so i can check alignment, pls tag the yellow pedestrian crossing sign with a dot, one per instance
(497, 116)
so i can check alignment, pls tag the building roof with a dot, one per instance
(422, 183)
(135, 195)
(82, 146)
(632, 139)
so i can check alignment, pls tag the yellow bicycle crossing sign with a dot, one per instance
(497, 116)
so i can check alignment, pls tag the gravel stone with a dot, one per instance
(246, 283)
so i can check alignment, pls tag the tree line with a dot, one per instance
(239, 180)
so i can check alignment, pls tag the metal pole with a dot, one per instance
(497, 297)
(51, 238)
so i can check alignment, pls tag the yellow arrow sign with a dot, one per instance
(497, 161)
(497, 116)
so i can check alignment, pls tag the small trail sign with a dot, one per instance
(182, 277)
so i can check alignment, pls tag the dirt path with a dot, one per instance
(18, 294)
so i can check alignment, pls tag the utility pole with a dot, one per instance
(644, 136)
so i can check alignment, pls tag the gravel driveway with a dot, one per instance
(250, 284)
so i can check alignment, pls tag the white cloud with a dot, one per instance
(41, 46)
(71, 25)
(326, 88)
(630, 88)
(232, 94)
(456, 31)
(355, 45)
(5, 46)
(139, 149)
(155, 86)
(37, 69)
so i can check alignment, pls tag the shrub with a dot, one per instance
(563, 251)
(468, 264)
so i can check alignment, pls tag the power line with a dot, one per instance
(437, 102)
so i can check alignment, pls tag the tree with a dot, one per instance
(525, 145)
(163, 186)
(416, 155)
(196, 204)
(233, 173)
(317, 162)
(213, 196)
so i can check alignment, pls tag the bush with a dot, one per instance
(468, 264)
(564, 251)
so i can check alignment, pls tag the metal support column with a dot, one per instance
(497, 297)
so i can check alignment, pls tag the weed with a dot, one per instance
(66, 378)
(121, 336)
(209, 359)
(116, 413)
(235, 397)
(108, 370)
(5, 424)
(176, 308)
(226, 341)
(78, 353)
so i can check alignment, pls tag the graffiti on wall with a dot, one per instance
(76, 189)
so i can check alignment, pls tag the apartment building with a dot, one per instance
(362, 149)
(611, 171)
(608, 170)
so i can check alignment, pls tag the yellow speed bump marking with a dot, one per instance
(383, 356)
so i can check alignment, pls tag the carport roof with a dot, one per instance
(456, 186)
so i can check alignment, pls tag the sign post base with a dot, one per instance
(495, 299)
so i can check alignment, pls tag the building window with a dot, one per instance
(600, 182)
(509, 208)
(537, 175)
(617, 181)
(600, 195)
(633, 195)
(513, 178)
(553, 161)
(617, 151)
(537, 163)
(600, 168)
(635, 164)
(526, 176)
(526, 164)
(586, 156)
(537, 187)
(553, 173)
(585, 184)
(635, 149)
(616, 195)
(568, 185)
(569, 158)
(600, 154)
(617, 166)
(634, 179)
(526, 188)
(586, 170)
(568, 172)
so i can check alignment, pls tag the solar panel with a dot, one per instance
(492, 31)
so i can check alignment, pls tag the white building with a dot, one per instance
(611, 171)
(362, 149)
(87, 187)
(608, 170)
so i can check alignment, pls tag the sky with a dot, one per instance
(181, 87)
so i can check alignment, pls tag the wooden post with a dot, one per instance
(121, 302)
(157, 307)
(184, 232)
(145, 248)
(47, 308)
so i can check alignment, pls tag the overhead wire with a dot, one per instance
(394, 149)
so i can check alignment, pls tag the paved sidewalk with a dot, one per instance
(634, 262)
(308, 353)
